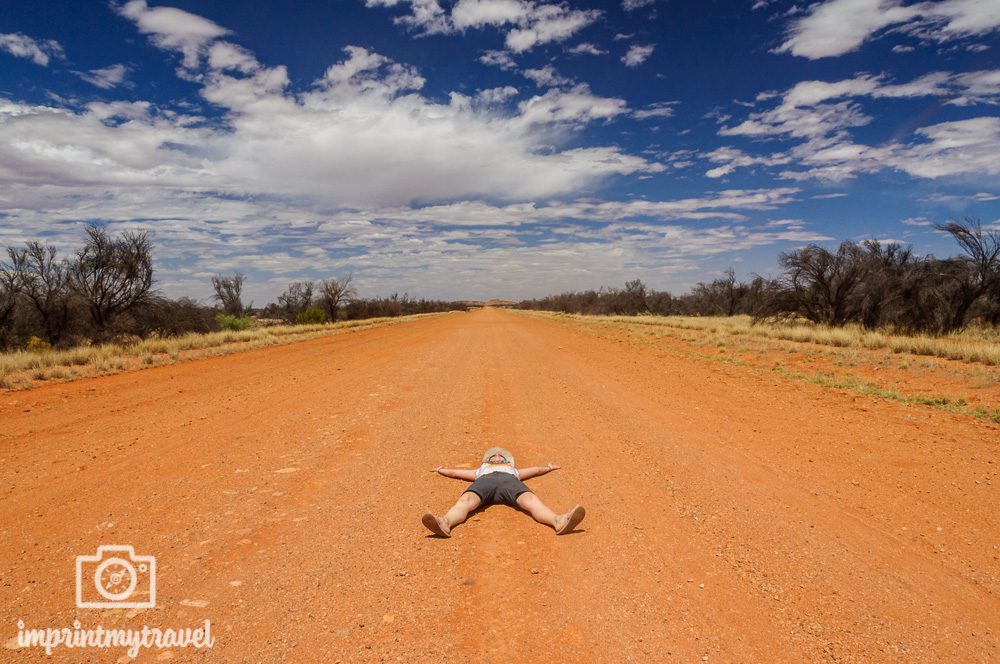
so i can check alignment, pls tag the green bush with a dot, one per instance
(233, 323)
(311, 316)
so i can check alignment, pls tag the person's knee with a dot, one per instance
(469, 499)
(527, 499)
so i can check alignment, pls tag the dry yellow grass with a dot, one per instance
(16, 366)
(980, 344)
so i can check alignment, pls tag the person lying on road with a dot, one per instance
(497, 481)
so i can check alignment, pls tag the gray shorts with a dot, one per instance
(498, 489)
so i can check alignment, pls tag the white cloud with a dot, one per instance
(952, 148)
(496, 95)
(549, 23)
(501, 59)
(173, 29)
(455, 250)
(663, 109)
(979, 197)
(363, 135)
(822, 113)
(835, 27)
(546, 76)
(632, 5)
(637, 54)
(23, 46)
(806, 111)
(526, 24)
(576, 105)
(496, 13)
(224, 56)
(731, 159)
(105, 78)
(587, 48)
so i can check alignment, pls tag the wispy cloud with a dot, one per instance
(23, 46)
(836, 27)
(524, 23)
(632, 5)
(587, 48)
(105, 78)
(822, 114)
(637, 54)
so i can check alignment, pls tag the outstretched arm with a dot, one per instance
(535, 471)
(456, 473)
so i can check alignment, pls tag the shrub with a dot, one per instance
(233, 323)
(310, 316)
(38, 345)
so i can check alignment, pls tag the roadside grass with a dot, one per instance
(974, 344)
(851, 351)
(870, 389)
(19, 369)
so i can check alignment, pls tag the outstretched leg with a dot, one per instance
(562, 523)
(456, 515)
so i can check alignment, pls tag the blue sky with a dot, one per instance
(495, 148)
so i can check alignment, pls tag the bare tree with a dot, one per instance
(333, 293)
(8, 299)
(43, 280)
(981, 275)
(824, 285)
(296, 299)
(229, 293)
(112, 274)
(889, 283)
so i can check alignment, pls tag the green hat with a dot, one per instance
(502, 451)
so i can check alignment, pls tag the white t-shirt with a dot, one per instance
(488, 468)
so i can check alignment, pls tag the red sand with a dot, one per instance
(732, 515)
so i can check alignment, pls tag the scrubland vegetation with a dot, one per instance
(866, 287)
(98, 311)
(105, 295)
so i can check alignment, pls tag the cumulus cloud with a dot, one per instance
(105, 78)
(637, 54)
(362, 135)
(836, 27)
(525, 24)
(632, 5)
(23, 46)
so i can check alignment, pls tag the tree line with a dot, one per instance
(105, 291)
(873, 284)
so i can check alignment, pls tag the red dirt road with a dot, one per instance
(732, 515)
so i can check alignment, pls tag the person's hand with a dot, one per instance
(434, 470)
(554, 466)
